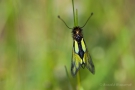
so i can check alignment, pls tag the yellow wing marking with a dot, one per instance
(76, 62)
(83, 45)
(76, 46)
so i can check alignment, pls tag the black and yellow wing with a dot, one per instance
(81, 57)
(88, 62)
(75, 63)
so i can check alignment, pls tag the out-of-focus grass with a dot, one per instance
(35, 45)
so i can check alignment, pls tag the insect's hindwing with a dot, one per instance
(88, 62)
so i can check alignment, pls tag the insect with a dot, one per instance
(80, 55)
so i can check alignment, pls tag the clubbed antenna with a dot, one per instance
(87, 20)
(64, 22)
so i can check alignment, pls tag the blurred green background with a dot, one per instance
(35, 46)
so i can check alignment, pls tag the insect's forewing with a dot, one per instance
(76, 60)
(88, 62)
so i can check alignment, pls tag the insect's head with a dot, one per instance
(77, 30)
(77, 33)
